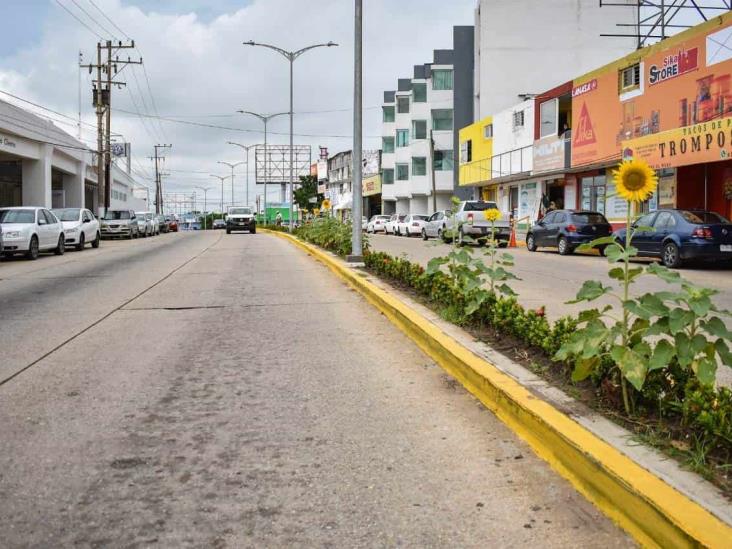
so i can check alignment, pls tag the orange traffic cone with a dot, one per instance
(512, 240)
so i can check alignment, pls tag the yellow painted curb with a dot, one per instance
(653, 512)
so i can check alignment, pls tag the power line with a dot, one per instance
(110, 20)
(94, 20)
(72, 14)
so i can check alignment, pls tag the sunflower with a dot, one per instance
(326, 204)
(492, 214)
(635, 180)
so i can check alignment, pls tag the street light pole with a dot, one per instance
(356, 246)
(264, 119)
(205, 191)
(246, 150)
(290, 56)
(232, 166)
(221, 178)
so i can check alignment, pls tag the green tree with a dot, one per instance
(308, 189)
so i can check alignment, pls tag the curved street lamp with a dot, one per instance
(221, 178)
(232, 166)
(290, 56)
(246, 151)
(205, 190)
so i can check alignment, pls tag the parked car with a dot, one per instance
(411, 225)
(682, 235)
(470, 222)
(29, 231)
(377, 223)
(120, 223)
(218, 224)
(147, 223)
(80, 227)
(436, 225)
(391, 225)
(172, 223)
(240, 219)
(163, 226)
(567, 229)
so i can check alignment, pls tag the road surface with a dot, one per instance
(205, 390)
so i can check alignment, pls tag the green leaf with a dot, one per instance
(662, 355)
(657, 328)
(434, 264)
(584, 367)
(595, 336)
(590, 290)
(678, 319)
(653, 304)
(505, 289)
(614, 253)
(602, 241)
(635, 308)
(634, 273)
(665, 274)
(698, 343)
(705, 367)
(588, 315)
(507, 256)
(683, 349)
(633, 367)
(618, 273)
(723, 351)
(643, 349)
(700, 305)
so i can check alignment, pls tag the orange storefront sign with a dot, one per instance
(685, 83)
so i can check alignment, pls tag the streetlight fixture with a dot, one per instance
(221, 178)
(232, 166)
(205, 190)
(290, 56)
(264, 118)
(246, 150)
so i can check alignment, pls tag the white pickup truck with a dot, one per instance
(470, 222)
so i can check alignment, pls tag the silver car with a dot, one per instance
(147, 223)
(120, 223)
(436, 225)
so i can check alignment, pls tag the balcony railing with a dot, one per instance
(499, 165)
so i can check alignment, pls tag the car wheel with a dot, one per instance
(32, 252)
(80, 245)
(563, 245)
(228, 231)
(424, 235)
(97, 239)
(670, 255)
(530, 243)
(253, 230)
(60, 246)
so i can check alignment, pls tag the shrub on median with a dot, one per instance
(330, 234)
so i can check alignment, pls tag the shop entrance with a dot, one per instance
(11, 183)
(554, 193)
(513, 200)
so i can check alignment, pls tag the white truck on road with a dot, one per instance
(470, 222)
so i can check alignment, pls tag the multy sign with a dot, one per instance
(674, 65)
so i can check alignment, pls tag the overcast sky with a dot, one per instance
(199, 71)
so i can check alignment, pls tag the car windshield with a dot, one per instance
(240, 211)
(401, 217)
(589, 218)
(17, 216)
(703, 218)
(117, 214)
(480, 206)
(67, 214)
(420, 217)
(383, 217)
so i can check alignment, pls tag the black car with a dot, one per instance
(567, 229)
(679, 235)
(218, 224)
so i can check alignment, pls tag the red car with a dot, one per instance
(172, 223)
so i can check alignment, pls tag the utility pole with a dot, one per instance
(432, 168)
(357, 244)
(102, 96)
(158, 178)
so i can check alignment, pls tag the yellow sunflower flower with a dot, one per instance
(635, 180)
(492, 214)
(326, 204)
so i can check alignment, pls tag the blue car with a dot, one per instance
(567, 229)
(682, 235)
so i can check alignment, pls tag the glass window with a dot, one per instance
(402, 172)
(550, 218)
(442, 119)
(664, 220)
(68, 214)
(589, 218)
(50, 218)
(419, 165)
(518, 119)
(402, 138)
(402, 105)
(488, 131)
(479, 206)
(560, 217)
(444, 161)
(387, 144)
(699, 218)
(387, 176)
(17, 216)
(419, 93)
(419, 129)
(442, 79)
(466, 151)
(645, 221)
(548, 118)
(388, 113)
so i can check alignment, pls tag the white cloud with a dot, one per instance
(199, 67)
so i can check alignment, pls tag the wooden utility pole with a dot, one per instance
(158, 178)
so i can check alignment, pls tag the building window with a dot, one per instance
(402, 138)
(419, 129)
(466, 151)
(442, 79)
(444, 161)
(442, 119)
(630, 77)
(488, 131)
(548, 118)
(419, 93)
(518, 119)
(402, 172)
(402, 105)
(388, 113)
(419, 165)
(387, 176)
(387, 144)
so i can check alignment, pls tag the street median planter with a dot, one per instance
(657, 503)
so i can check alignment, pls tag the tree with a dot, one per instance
(308, 189)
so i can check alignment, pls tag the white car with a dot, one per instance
(29, 231)
(436, 225)
(390, 226)
(146, 223)
(411, 225)
(377, 224)
(80, 227)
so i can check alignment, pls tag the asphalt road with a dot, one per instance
(205, 390)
